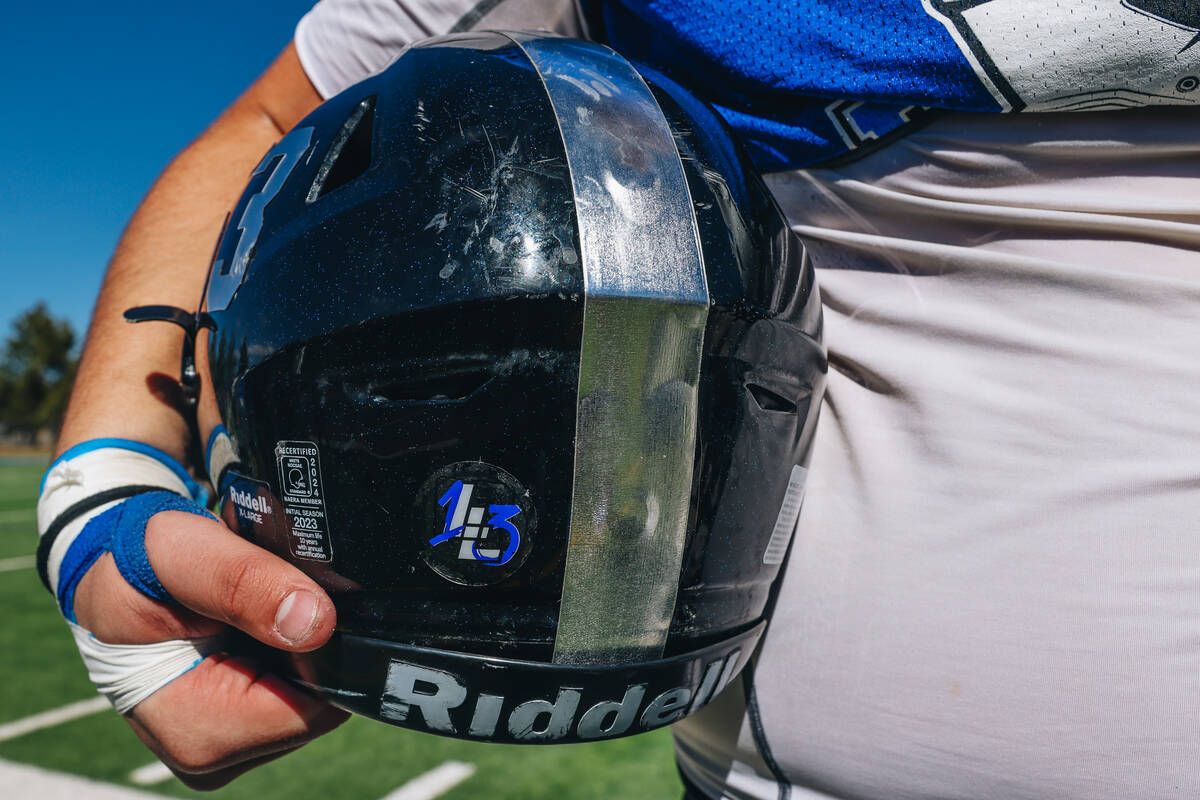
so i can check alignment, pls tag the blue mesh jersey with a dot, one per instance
(813, 81)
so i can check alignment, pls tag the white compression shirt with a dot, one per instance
(994, 590)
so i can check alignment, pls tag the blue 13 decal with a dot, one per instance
(466, 521)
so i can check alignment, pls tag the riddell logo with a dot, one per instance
(433, 694)
(249, 502)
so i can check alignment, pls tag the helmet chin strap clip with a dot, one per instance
(191, 322)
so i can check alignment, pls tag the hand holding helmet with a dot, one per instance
(149, 582)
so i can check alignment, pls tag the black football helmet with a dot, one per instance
(510, 348)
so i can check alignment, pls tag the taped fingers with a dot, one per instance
(114, 612)
(215, 573)
(95, 513)
(146, 578)
(119, 531)
(93, 509)
(91, 479)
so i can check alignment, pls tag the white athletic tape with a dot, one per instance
(75, 479)
(220, 455)
(129, 673)
(65, 539)
(124, 673)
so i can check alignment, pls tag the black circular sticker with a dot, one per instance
(477, 522)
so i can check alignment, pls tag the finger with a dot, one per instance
(115, 612)
(226, 714)
(209, 569)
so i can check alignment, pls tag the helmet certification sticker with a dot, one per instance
(301, 489)
(477, 523)
(789, 515)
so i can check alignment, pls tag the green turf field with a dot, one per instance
(39, 671)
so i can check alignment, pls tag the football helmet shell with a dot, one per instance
(510, 348)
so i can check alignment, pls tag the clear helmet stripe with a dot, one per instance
(645, 308)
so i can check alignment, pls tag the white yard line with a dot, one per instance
(48, 719)
(20, 562)
(20, 780)
(434, 783)
(152, 773)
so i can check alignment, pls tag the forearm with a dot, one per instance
(127, 381)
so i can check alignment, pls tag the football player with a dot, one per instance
(992, 590)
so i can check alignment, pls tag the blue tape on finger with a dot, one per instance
(121, 530)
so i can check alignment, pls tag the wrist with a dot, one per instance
(89, 479)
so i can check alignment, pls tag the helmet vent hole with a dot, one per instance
(349, 155)
(446, 388)
(770, 401)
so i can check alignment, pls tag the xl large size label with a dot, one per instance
(250, 509)
(301, 494)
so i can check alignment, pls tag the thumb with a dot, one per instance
(214, 572)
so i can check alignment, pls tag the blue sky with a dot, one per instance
(96, 98)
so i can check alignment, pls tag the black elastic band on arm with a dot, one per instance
(73, 512)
